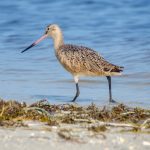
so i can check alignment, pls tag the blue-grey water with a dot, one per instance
(118, 30)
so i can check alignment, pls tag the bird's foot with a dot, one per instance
(113, 101)
(73, 100)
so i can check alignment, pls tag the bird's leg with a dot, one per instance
(110, 94)
(77, 89)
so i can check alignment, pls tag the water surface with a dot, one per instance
(119, 30)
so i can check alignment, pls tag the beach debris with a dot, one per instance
(100, 128)
(93, 118)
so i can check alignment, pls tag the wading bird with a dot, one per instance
(79, 60)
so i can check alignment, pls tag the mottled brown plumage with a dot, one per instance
(79, 60)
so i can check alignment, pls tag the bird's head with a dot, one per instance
(52, 30)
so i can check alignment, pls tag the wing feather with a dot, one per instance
(78, 59)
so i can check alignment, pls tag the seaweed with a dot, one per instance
(101, 128)
(94, 118)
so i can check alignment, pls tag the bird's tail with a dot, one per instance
(118, 69)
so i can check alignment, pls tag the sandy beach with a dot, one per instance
(70, 126)
(36, 138)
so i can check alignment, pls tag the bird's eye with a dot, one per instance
(47, 28)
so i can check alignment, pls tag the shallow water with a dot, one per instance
(119, 30)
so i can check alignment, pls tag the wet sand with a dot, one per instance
(36, 138)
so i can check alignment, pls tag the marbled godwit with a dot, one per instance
(79, 60)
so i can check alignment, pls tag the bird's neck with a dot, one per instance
(58, 41)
